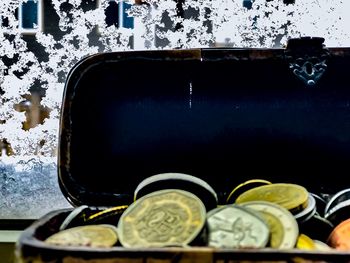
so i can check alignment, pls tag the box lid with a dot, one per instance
(223, 115)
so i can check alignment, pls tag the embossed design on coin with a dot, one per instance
(91, 236)
(282, 224)
(291, 196)
(233, 226)
(163, 218)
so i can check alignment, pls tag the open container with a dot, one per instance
(223, 115)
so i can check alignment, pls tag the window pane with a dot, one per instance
(128, 21)
(111, 13)
(30, 14)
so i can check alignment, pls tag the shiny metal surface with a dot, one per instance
(233, 226)
(161, 219)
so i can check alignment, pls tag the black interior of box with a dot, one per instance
(223, 120)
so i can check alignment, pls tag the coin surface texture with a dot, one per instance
(233, 226)
(282, 224)
(291, 196)
(91, 236)
(163, 218)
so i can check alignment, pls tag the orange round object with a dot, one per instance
(340, 236)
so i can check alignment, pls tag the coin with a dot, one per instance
(319, 245)
(91, 236)
(243, 187)
(307, 212)
(339, 197)
(291, 196)
(339, 212)
(163, 218)
(340, 236)
(107, 216)
(180, 181)
(75, 218)
(305, 243)
(233, 226)
(283, 226)
(320, 203)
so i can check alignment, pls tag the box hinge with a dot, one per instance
(307, 58)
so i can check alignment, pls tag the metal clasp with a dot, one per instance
(307, 58)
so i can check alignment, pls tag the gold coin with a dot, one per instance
(305, 243)
(243, 187)
(90, 236)
(290, 196)
(163, 218)
(282, 224)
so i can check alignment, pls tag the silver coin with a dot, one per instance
(233, 226)
(340, 196)
(72, 215)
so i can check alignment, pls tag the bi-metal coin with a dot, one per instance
(161, 219)
(233, 226)
(283, 226)
(291, 196)
(180, 181)
(90, 236)
(243, 187)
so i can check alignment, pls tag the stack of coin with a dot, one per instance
(90, 236)
(282, 225)
(180, 181)
(233, 226)
(163, 218)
